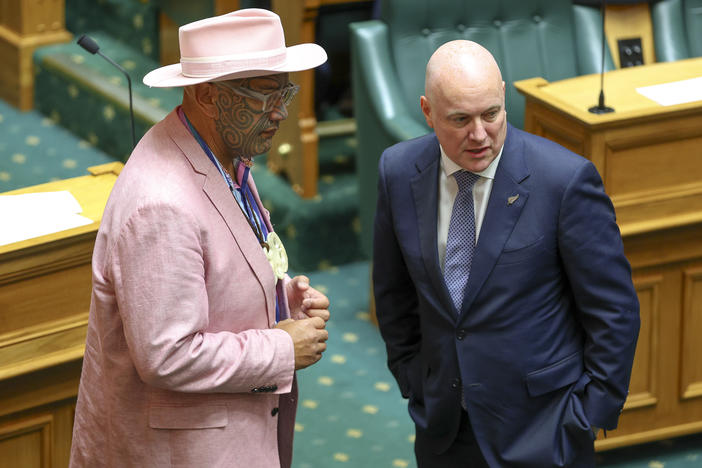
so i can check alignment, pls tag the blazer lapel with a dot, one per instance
(425, 189)
(502, 213)
(217, 191)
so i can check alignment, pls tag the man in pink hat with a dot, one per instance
(195, 329)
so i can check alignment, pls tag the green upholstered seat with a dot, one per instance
(677, 29)
(529, 38)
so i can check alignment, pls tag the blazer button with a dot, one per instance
(461, 333)
(274, 412)
(455, 384)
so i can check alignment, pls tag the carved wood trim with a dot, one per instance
(690, 325)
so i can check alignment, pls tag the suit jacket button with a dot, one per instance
(274, 411)
(455, 384)
(460, 334)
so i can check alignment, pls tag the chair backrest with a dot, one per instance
(677, 29)
(528, 39)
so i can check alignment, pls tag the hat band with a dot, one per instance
(200, 67)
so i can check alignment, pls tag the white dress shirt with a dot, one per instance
(448, 189)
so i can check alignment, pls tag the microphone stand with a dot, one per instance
(600, 108)
(87, 43)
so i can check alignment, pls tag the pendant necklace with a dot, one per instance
(270, 242)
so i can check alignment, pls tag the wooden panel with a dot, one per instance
(11, 14)
(24, 26)
(691, 345)
(44, 302)
(565, 136)
(42, 388)
(294, 150)
(27, 443)
(654, 157)
(42, 16)
(628, 22)
(643, 389)
(64, 294)
(169, 48)
(27, 17)
(225, 6)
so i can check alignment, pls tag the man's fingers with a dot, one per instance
(321, 313)
(284, 322)
(309, 336)
(317, 322)
(319, 302)
(301, 282)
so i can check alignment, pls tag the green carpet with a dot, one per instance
(34, 150)
(350, 411)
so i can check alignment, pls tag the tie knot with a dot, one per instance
(465, 180)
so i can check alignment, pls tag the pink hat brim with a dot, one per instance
(298, 57)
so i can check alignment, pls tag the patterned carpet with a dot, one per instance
(350, 411)
(33, 150)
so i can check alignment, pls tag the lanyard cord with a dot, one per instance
(242, 200)
(241, 195)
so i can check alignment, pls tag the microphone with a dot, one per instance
(91, 46)
(600, 108)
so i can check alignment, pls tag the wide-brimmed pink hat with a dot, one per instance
(240, 44)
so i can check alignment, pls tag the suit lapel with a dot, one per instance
(425, 190)
(500, 216)
(217, 191)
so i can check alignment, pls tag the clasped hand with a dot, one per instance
(308, 333)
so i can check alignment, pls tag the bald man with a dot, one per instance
(501, 287)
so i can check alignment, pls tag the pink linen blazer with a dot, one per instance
(181, 366)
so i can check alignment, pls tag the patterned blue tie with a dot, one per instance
(461, 238)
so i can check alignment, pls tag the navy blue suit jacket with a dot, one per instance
(544, 342)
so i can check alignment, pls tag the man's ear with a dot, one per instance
(426, 110)
(204, 95)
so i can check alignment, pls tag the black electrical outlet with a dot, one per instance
(630, 52)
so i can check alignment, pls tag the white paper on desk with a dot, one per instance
(675, 92)
(36, 214)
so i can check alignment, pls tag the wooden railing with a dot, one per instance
(24, 26)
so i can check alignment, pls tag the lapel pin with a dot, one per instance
(512, 199)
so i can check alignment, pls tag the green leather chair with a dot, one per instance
(549, 38)
(677, 29)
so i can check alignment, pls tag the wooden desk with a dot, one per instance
(650, 158)
(45, 287)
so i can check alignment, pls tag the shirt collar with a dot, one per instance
(449, 167)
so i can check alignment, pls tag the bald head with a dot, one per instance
(463, 61)
(465, 104)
